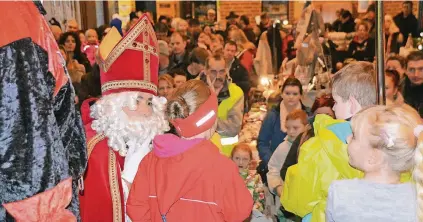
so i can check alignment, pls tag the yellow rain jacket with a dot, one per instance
(230, 113)
(322, 159)
(215, 139)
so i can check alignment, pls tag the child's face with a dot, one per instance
(341, 108)
(294, 128)
(92, 37)
(242, 159)
(390, 88)
(395, 65)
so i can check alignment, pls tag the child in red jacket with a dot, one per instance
(185, 178)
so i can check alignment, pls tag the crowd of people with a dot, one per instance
(163, 102)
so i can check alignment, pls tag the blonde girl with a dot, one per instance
(385, 143)
(239, 37)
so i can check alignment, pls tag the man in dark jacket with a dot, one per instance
(413, 86)
(180, 55)
(237, 72)
(244, 24)
(348, 24)
(337, 23)
(406, 21)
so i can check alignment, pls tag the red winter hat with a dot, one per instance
(133, 63)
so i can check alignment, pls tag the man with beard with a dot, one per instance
(230, 99)
(124, 121)
(42, 144)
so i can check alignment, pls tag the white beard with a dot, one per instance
(123, 132)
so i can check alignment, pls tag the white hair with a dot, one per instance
(121, 131)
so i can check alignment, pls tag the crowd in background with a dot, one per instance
(190, 49)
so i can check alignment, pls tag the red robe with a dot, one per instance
(102, 198)
(187, 181)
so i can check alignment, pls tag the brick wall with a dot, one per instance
(254, 8)
(291, 11)
(249, 8)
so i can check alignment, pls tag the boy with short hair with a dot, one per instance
(324, 157)
(296, 122)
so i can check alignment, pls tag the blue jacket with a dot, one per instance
(270, 135)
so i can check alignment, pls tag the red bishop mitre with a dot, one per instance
(130, 63)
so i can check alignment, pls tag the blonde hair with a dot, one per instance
(357, 79)
(238, 36)
(175, 23)
(179, 23)
(168, 78)
(362, 23)
(393, 28)
(187, 99)
(392, 131)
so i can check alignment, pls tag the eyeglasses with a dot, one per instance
(215, 72)
(413, 70)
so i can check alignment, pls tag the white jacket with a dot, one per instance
(275, 165)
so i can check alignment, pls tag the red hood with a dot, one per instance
(180, 166)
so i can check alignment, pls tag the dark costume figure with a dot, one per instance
(42, 142)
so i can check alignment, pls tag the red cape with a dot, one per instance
(102, 198)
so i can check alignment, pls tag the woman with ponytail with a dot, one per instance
(387, 142)
(185, 178)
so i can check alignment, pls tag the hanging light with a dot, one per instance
(421, 34)
(420, 47)
(285, 22)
